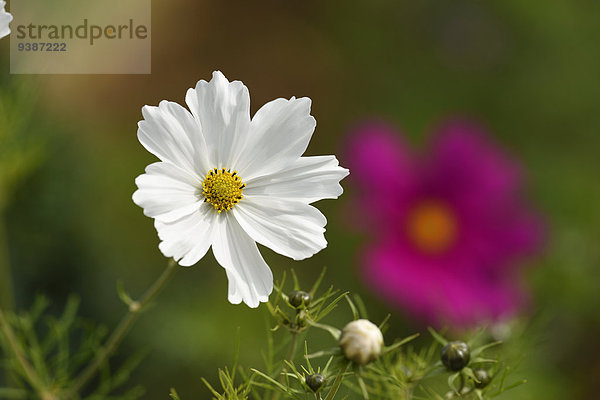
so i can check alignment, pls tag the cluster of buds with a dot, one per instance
(456, 356)
(298, 308)
(361, 343)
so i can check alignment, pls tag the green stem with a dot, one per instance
(292, 350)
(289, 357)
(30, 373)
(408, 392)
(462, 383)
(337, 382)
(135, 308)
(6, 290)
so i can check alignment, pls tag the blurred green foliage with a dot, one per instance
(57, 348)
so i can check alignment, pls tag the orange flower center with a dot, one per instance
(432, 227)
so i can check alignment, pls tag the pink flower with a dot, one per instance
(448, 227)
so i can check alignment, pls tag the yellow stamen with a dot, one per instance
(222, 189)
(432, 227)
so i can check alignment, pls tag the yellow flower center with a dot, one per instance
(222, 189)
(432, 227)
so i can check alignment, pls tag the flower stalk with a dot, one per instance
(292, 351)
(32, 376)
(290, 358)
(6, 290)
(337, 382)
(135, 308)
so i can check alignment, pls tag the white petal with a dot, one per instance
(223, 110)
(291, 228)
(5, 19)
(308, 179)
(170, 132)
(279, 134)
(166, 192)
(187, 239)
(250, 279)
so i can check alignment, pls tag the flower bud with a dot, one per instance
(483, 378)
(315, 381)
(456, 355)
(361, 341)
(299, 298)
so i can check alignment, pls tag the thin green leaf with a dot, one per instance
(336, 333)
(295, 279)
(355, 313)
(317, 283)
(481, 349)
(173, 394)
(400, 343)
(271, 380)
(439, 338)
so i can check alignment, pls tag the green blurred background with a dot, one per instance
(529, 70)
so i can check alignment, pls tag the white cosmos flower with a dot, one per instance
(228, 181)
(5, 19)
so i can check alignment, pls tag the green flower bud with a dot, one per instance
(361, 341)
(315, 381)
(456, 355)
(483, 378)
(301, 318)
(299, 298)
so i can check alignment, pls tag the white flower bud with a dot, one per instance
(361, 341)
